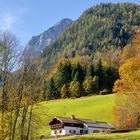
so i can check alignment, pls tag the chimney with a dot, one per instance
(72, 117)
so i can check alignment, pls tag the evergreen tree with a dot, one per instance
(74, 70)
(63, 75)
(96, 84)
(77, 77)
(51, 90)
(99, 71)
(111, 75)
(68, 72)
(90, 71)
(60, 77)
(78, 73)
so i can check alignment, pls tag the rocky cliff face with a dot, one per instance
(37, 43)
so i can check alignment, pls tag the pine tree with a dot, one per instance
(77, 77)
(63, 74)
(90, 71)
(78, 73)
(51, 90)
(74, 70)
(111, 75)
(99, 71)
(68, 72)
(96, 84)
(60, 79)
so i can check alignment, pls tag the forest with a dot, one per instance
(74, 79)
(98, 54)
(101, 27)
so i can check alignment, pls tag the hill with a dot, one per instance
(98, 108)
(101, 27)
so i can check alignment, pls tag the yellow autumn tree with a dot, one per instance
(127, 110)
(132, 49)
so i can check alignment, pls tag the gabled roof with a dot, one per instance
(85, 122)
(98, 124)
(68, 120)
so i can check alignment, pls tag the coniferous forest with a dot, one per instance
(74, 79)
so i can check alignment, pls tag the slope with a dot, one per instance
(101, 27)
(97, 108)
(119, 136)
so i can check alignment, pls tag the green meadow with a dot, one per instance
(98, 108)
(119, 136)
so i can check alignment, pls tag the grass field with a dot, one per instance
(97, 108)
(119, 136)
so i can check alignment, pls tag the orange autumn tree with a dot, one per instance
(127, 88)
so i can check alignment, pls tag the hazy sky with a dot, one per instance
(26, 18)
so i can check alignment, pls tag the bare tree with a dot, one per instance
(8, 58)
(21, 90)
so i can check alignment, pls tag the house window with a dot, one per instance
(86, 131)
(55, 132)
(60, 131)
(72, 131)
(81, 131)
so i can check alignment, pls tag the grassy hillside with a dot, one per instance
(122, 136)
(97, 108)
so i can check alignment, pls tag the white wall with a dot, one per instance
(58, 132)
(65, 131)
(91, 130)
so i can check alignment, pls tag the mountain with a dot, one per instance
(101, 27)
(37, 43)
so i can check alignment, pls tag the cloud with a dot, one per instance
(13, 19)
(10, 18)
(7, 22)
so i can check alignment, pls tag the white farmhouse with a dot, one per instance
(61, 126)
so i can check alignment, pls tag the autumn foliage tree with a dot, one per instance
(127, 109)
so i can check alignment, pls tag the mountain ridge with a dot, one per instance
(37, 43)
(103, 26)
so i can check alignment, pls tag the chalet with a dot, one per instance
(61, 126)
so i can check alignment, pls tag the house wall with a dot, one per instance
(94, 130)
(66, 131)
(56, 132)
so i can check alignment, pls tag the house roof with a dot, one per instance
(86, 122)
(68, 120)
(100, 125)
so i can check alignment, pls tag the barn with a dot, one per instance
(62, 126)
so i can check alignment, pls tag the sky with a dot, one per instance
(27, 18)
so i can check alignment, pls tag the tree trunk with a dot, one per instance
(24, 114)
(29, 123)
